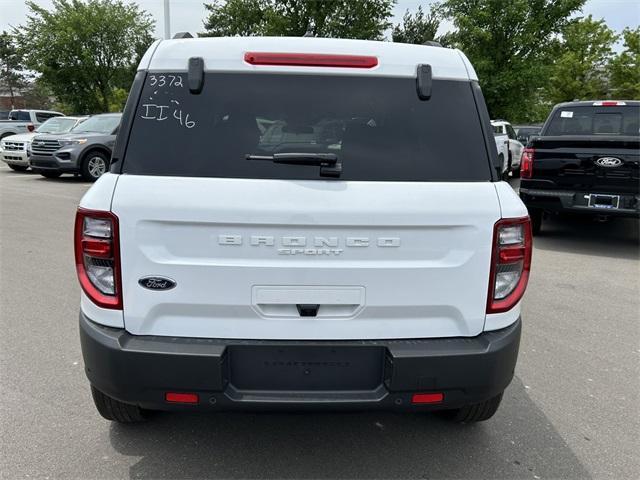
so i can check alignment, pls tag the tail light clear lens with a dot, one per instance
(510, 263)
(98, 257)
(526, 163)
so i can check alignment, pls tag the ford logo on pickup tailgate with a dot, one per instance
(609, 162)
(157, 283)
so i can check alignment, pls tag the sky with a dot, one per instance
(188, 15)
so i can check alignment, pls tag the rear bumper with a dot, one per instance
(578, 202)
(258, 374)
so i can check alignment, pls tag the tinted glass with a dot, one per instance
(43, 116)
(377, 127)
(592, 120)
(56, 125)
(20, 115)
(104, 124)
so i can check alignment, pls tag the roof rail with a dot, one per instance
(182, 35)
(432, 43)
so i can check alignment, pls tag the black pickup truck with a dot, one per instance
(585, 160)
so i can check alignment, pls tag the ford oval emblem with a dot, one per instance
(157, 283)
(609, 162)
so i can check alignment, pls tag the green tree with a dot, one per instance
(417, 28)
(511, 45)
(85, 51)
(624, 69)
(364, 19)
(13, 77)
(579, 71)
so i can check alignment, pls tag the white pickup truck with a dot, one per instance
(502, 145)
(342, 260)
(515, 148)
(23, 121)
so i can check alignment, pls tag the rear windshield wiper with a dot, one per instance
(328, 162)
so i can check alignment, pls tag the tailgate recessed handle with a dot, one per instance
(307, 309)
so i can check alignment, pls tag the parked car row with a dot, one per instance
(80, 145)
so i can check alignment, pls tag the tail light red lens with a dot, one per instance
(526, 163)
(510, 263)
(97, 254)
(310, 60)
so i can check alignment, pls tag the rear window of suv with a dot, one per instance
(595, 120)
(377, 127)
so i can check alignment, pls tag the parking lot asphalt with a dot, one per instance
(572, 411)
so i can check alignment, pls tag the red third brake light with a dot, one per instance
(310, 60)
(98, 257)
(608, 103)
(526, 163)
(510, 263)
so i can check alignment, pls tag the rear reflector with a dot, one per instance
(177, 397)
(310, 60)
(423, 398)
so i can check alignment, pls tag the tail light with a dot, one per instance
(31, 127)
(510, 263)
(526, 163)
(97, 253)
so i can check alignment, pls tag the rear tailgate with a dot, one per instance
(382, 259)
(575, 163)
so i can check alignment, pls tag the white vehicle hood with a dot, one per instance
(21, 137)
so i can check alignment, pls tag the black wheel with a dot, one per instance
(536, 221)
(94, 164)
(18, 168)
(50, 174)
(478, 412)
(117, 411)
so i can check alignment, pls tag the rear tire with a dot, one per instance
(50, 174)
(536, 221)
(18, 168)
(115, 410)
(94, 165)
(478, 412)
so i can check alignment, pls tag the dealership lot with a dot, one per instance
(571, 411)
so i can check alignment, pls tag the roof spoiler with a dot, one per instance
(432, 43)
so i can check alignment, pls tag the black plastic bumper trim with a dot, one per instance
(140, 369)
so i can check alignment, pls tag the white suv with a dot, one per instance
(361, 254)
